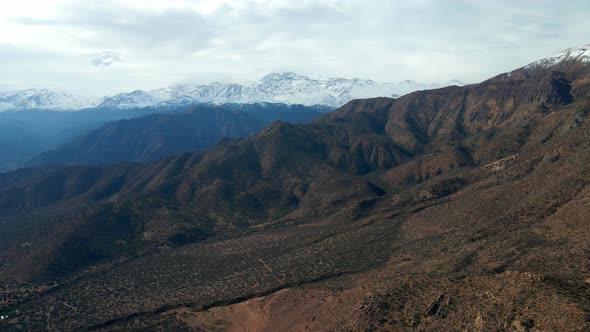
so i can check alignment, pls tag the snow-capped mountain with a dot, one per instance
(288, 88)
(43, 99)
(136, 98)
(581, 53)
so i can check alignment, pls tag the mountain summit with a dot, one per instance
(581, 54)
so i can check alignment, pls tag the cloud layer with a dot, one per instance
(46, 44)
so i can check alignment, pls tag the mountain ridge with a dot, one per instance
(580, 53)
(43, 99)
(285, 87)
(160, 135)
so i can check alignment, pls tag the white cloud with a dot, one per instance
(166, 41)
(105, 58)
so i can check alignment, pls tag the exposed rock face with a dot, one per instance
(561, 91)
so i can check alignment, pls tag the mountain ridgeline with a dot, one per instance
(27, 133)
(461, 206)
(156, 136)
(36, 137)
(288, 88)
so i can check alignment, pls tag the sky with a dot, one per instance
(102, 47)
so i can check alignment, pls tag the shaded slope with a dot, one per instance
(18, 144)
(153, 137)
(156, 136)
(27, 133)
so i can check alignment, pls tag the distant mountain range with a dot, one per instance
(288, 88)
(43, 99)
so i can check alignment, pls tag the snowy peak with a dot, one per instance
(284, 87)
(581, 54)
(42, 99)
(284, 76)
(137, 98)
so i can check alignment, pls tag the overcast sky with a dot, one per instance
(102, 47)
